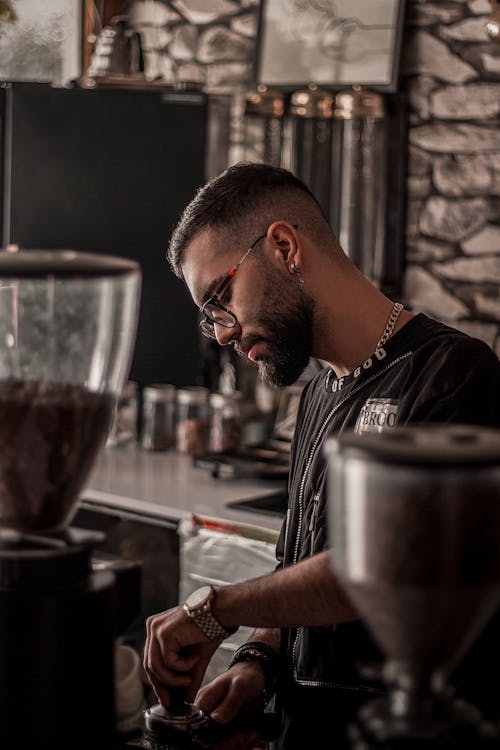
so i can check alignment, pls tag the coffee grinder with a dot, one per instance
(67, 328)
(415, 536)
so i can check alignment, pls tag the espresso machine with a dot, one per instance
(415, 536)
(67, 328)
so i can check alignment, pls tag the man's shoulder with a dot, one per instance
(451, 344)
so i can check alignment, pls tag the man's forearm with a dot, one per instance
(271, 636)
(304, 594)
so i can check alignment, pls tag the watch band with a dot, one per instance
(205, 619)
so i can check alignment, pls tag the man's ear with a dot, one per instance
(285, 245)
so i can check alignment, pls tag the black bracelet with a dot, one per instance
(268, 660)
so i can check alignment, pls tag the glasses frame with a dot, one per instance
(207, 324)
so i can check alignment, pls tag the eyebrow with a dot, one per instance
(210, 289)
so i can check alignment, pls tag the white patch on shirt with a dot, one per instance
(377, 414)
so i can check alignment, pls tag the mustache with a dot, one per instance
(245, 344)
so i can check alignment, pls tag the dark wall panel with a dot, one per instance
(110, 172)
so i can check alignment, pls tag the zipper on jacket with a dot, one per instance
(312, 522)
(300, 499)
(319, 437)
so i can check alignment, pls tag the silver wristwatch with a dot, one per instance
(198, 606)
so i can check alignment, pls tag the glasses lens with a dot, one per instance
(219, 315)
(207, 329)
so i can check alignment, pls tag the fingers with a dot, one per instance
(233, 693)
(163, 648)
(211, 695)
(158, 661)
(176, 654)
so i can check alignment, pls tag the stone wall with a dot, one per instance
(451, 77)
(208, 41)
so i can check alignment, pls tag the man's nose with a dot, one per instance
(226, 336)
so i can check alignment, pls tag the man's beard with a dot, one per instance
(289, 334)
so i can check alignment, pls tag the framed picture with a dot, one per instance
(333, 43)
(43, 42)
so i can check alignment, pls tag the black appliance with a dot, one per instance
(67, 328)
(50, 599)
(54, 593)
(109, 171)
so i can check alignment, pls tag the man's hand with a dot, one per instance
(233, 697)
(176, 654)
(236, 692)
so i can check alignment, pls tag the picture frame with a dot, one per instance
(43, 42)
(330, 43)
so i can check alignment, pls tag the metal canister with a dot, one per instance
(158, 417)
(307, 140)
(359, 169)
(263, 122)
(192, 419)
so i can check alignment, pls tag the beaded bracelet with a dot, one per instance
(267, 658)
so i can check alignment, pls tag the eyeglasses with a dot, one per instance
(212, 310)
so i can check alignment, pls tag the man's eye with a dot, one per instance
(225, 298)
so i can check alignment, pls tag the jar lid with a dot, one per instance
(159, 392)
(312, 102)
(358, 102)
(217, 400)
(430, 445)
(63, 264)
(265, 102)
(193, 394)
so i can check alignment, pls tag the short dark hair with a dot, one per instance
(244, 195)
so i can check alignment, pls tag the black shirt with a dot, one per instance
(427, 372)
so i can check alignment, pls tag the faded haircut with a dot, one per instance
(241, 203)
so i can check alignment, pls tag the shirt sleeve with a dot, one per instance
(459, 384)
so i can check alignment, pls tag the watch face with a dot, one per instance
(198, 597)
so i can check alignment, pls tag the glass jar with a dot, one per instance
(192, 419)
(158, 417)
(225, 422)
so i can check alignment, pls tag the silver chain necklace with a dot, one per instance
(388, 330)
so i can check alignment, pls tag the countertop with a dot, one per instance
(166, 485)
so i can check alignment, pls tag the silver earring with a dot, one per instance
(296, 269)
